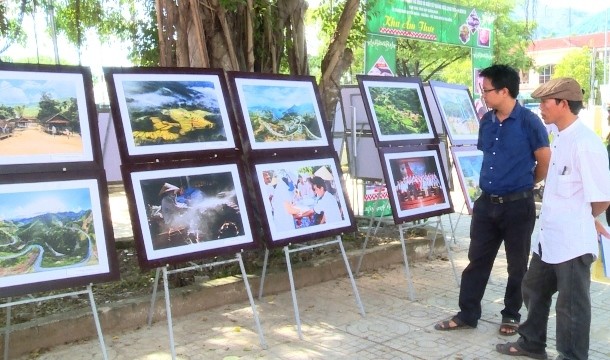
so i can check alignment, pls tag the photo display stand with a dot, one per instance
(293, 165)
(182, 170)
(411, 161)
(303, 201)
(53, 190)
(460, 119)
(302, 247)
(166, 272)
(9, 304)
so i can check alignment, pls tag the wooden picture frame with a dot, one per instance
(279, 112)
(56, 232)
(188, 211)
(416, 181)
(457, 112)
(169, 113)
(48, 120)
(397, 110)
(468, 161)
(295, 210)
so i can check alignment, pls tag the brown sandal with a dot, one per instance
(509, 327)
(446, 325)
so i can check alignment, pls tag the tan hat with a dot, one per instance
(168, 187)
(560, 88)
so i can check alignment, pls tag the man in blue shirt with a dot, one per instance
(516, 155)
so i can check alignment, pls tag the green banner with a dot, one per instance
(380, 55)
(432, 21)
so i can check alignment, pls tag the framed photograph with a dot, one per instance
(187, 212)
(55, 233)
(302, 200)
(279, 112)
(168, 112)
(416, 180)
(397, 110)
(48, 120)
(457, 111)
(468, 161)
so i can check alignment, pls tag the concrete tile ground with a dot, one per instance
(394, 327)
(332, 327)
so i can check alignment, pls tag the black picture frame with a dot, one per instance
(56, 232)
(171, 113)
(290, 209)
(54, 120)
(388, 98)
(416, 182)
(279, 113)
(188, 211)
(457, 111)
(468, 161)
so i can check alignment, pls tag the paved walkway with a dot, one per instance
(394, 327)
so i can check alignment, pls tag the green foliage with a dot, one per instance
(458, 72)
(11, 29)
(6, 112)
(144, 36)
(74, 17)
(398, 111)
(577, 65)
(48, 107)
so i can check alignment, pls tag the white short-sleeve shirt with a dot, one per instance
(578, 175)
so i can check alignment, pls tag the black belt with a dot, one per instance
(501, 199)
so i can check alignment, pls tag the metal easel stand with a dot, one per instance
(372, 219)
(453, 227)
(287, 252)
(401, 229)
(9, 304)
(168, 309)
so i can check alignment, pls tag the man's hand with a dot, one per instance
(601, 229)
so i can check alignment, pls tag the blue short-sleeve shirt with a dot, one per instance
(508, 150)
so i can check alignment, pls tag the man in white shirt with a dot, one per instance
(326, 205)
(577, 191)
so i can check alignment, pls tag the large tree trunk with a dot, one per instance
(202, 33)
(337, 59)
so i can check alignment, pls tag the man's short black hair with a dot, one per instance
(503, 76)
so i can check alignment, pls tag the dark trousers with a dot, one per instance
(511, 222)
(572, 280)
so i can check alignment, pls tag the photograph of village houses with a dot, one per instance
(38, 117)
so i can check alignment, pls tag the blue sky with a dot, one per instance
(274, 97)
(22, 92)
(32, 203)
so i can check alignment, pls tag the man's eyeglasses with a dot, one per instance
(485, 91)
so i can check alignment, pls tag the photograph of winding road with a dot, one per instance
(280, 113)
(46, 230)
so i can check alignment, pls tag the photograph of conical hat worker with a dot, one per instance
(191, 209)
(301, 198)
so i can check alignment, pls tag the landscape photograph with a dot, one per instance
(50, 231)
(397, 110)
(280, 113)
(458, 112)
(43, 118)
(468, 165)
(171, 112)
